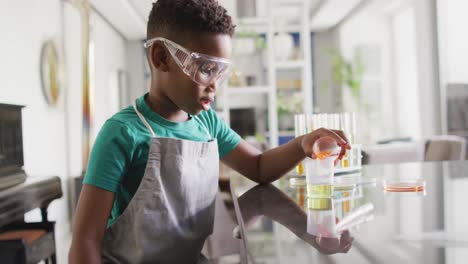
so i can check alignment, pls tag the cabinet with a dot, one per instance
(271, 78)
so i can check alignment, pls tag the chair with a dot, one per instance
(393, 153)
(445, 147)
(25, 243)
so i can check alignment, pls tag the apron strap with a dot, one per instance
(142, 118)
(204, 128)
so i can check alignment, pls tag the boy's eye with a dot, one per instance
(208, 68)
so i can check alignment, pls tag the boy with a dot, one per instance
(150, 185)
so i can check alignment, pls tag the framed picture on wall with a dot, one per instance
(50, 72)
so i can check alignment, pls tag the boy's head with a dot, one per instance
(199, 26)
(187, 17)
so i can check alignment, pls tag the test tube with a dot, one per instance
(352, 124)
(346, 206)
(348, 125)
(336, 122)
(314, 122)
(300, 128)
(323, 120)
(344, 120)
(300, 196)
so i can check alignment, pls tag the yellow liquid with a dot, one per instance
(300, 169)
(300, 198)
(346, 203)
(319, 204)
(319, 191)
(345, 161)
(323, 155)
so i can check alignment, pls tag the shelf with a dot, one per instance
(288, 90)
(261, 25)
(248, 90)
(292, 64)
(289, 85)
(288, 2)
(286, 133)
(280, 79)
(253, 21)
(291, 28)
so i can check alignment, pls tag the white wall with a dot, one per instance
(52, 135)
(230, 6)
(110, 57)
(371, 28)
(24, 26)
(453, 20)
(368, 31)
(453, 54)
(428, 68)
(138, 82)
(453, 49)
(21, 46)
(406, 73)
(327, 93)
(74, 82)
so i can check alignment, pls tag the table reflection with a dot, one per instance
(373, 216)
(264, 200)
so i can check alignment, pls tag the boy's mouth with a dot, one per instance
(206, 103)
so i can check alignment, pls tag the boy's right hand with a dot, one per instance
(308, 141)
(329, 246)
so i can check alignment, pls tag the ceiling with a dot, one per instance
(129, 17)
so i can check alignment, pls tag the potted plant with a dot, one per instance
(348, 73)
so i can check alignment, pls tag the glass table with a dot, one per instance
(359, 219)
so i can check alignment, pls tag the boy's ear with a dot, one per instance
(159, 57)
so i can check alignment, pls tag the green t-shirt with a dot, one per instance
(120, 152)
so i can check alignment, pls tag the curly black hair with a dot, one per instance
(192, 16)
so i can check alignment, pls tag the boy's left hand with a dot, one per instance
(309, 139)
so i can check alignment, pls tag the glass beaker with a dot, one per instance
(320, 169)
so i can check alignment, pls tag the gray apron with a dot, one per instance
(172, 211)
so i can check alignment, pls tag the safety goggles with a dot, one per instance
(202, 69)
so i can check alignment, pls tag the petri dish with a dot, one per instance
(404, 185)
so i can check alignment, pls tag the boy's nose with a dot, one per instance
(212, 87)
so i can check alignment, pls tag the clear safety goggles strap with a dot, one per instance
(181, 55)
